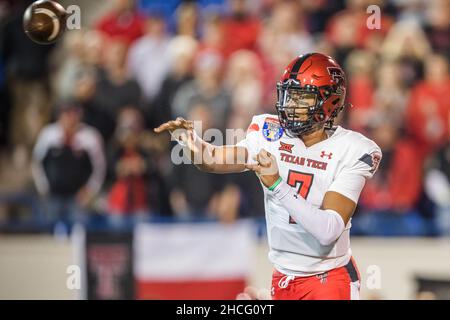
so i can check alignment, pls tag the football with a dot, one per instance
(44, 21)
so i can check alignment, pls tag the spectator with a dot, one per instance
(405, 39)
(317, 13)
(68, 165)
(428, 107)
(95, 114)
(199, 194)
(359, 66)
(391, 94)
(411, 11)
(26, 68)
(344, 29)
(287, 29)
(389, 201)
(123, 22)
(437, 26)
(181, 51)
(187, 19)
(241, 29)
(72, 64)
(206, 88)
(287, 34)
(398, 185)
(371, 39)
(148, 61)
(81, 52)
(407, 43)
(244, 81)
(94, 43)
(115, 88)
(212, 35)
(437, 186)
(348, 30)
(129, 171)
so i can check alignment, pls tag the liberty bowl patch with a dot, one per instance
(272, 130)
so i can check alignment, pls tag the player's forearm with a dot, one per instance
(218, 159)
(203, 157)
(325, 225)
(213, 159)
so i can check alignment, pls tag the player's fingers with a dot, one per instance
(188, 125)
(266, 154)
(263, 159)
(253, 167)
(256, 159)
(169, 125)
(265, 162)
(178, 123)
(185, 124)
(162, 127)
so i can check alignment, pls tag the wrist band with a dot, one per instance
(272, 187)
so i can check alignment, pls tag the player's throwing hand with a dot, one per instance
(181, 130)
(266, 168)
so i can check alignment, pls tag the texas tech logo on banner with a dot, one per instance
(109, 266)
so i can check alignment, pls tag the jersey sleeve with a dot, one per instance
(252, 140)
(360, 164)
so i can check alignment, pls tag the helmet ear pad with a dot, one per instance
(328, 106)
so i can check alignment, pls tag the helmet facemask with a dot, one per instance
(298, 108)
(310, 105)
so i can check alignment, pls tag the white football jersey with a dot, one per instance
(335, 164)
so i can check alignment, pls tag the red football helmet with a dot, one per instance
(319, 76)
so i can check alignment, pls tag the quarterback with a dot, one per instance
(312, 173)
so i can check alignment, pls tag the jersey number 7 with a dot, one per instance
(303, 181)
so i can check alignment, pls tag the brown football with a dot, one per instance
(44, 21)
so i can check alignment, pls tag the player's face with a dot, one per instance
(298, 104)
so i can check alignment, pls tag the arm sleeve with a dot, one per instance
(327, 225)
(324, 225)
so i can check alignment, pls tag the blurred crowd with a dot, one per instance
(77, 117)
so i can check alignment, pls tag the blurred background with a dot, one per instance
(85, 182)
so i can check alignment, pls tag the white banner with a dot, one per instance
(194, 251)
